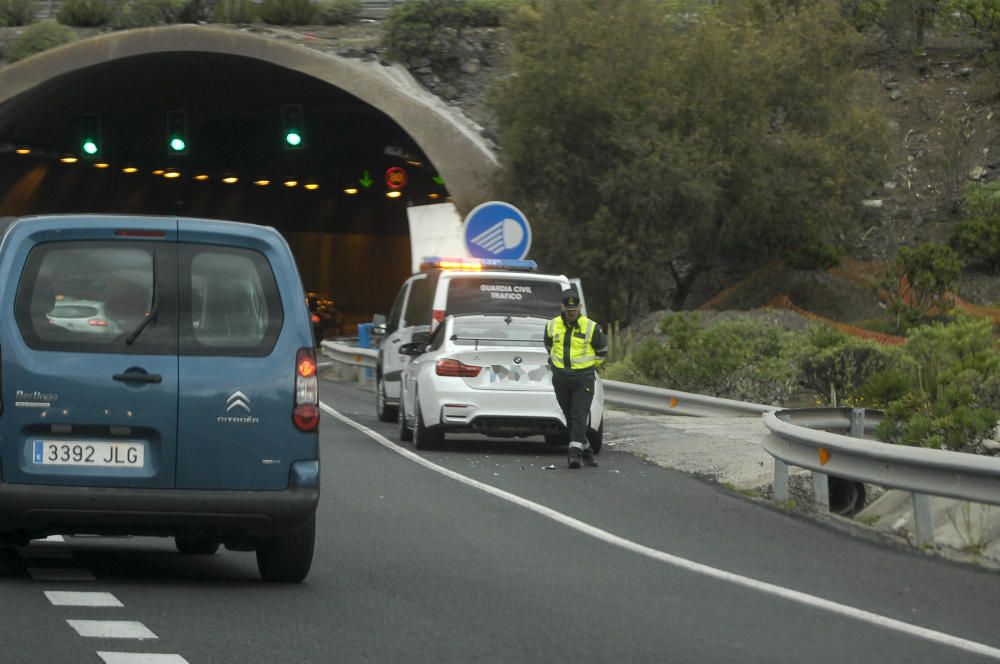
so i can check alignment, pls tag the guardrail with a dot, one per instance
(809, 438)
(352, 363)
(674, 402)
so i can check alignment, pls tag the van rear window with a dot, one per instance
(502, 295)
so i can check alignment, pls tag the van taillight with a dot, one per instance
(450, 367)
(306, 411)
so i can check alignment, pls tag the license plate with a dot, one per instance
(88, 454)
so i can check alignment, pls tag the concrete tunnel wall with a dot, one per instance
(460, 156)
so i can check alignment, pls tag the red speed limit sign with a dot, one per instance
(395, 178)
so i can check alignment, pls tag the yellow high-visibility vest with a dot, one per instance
(581, 351)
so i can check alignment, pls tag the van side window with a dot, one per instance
(418, 307)
(229, 302)
(88, 296)
(392, 322)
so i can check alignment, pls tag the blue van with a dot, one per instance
(158, 377)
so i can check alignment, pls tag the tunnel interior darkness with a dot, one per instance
(351, 240)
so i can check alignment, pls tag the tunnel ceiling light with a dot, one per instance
(102, 164)
(311, 186)
(433, 195)
(230, 179)
(171, 174)
(158, 171)
(393, 194)
(263, 182)
(69, 159)
(23, 150)
(201, 177)
(291, 183)
(350, 191)
(130, 170)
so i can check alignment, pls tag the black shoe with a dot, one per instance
(573, 457)
(588, 458)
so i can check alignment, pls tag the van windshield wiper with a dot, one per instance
(130, 339)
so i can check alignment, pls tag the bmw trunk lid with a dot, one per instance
(516, 369)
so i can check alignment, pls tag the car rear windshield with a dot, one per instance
(499, 332)
(503, 295)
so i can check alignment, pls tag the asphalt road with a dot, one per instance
(480, 552)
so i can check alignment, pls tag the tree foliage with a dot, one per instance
(920, 283)
(955, 402)
(648, 141)
(978, 236)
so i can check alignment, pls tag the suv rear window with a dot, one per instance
(500, 295)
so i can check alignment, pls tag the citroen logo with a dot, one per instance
(238, 400)
(517, 359)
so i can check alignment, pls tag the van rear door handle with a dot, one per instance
(138, 377)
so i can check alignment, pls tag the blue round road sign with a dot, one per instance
(497, 230)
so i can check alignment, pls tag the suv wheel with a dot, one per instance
(405, 432)
(288, 558)
(383, 411)
(423, 438)
(196, 545)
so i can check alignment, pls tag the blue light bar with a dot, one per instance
(472, 264)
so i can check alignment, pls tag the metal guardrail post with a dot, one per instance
(821, 490)
(781, 492)
(923, 520)
(857, 423)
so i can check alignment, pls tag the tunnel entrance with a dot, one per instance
(340, 196)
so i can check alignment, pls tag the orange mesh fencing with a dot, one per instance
(784, 302)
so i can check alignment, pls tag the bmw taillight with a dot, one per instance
(306, 411)
(451, 367)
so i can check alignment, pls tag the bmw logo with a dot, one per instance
(517, 359)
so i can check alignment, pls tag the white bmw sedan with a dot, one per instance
(485, 374)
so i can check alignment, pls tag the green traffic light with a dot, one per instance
(293, 138)
(90, 146)
(177, 144)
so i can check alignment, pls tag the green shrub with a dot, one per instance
(851, 371)
(17, 12)
(38, 38)
(339, 12)
(195, 11)
(85, 13)
(146, 13)
(431, 28)
(920, 282)
(955, 402)
(743, 360)
(233, 11)
(978, 237)
(818, 255)
(288, 12)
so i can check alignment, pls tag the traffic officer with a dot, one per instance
(576, 345)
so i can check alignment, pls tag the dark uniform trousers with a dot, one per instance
(575, 393)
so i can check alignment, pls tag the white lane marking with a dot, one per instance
(683, 563)
(70, 598)
(140, 658)
(111, 629)
(59, 574)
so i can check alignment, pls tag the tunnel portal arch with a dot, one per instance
(461, 157)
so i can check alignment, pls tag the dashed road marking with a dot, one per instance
(112, 629)
(60, 574)
(70, 598)
(764, 587)
(140, 658)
